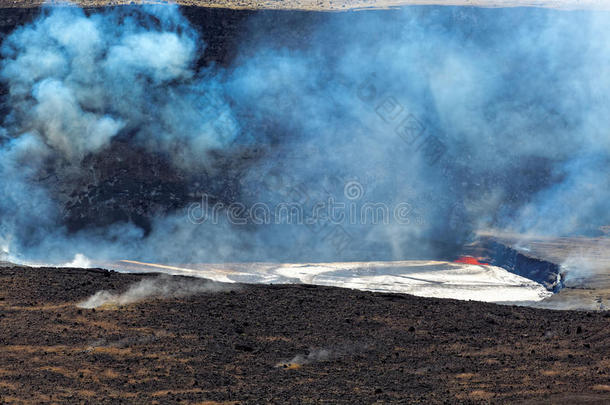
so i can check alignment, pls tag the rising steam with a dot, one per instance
(315, 355)
(162, 287)
(521, 114)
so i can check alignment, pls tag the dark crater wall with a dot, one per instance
(499, 254)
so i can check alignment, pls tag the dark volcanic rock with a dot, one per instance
(287, 344)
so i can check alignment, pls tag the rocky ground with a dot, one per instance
(285, 344)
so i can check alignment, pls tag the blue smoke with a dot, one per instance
(464, 119)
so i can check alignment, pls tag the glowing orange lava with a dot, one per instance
(470, 260)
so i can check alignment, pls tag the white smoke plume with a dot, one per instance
(75, 82)
(162, 287)
(521, 115)
(79, 261)
(586, 261)
(315, 355)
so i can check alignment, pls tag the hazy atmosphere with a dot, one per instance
(423, 126)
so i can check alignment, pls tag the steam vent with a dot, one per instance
(340, 202)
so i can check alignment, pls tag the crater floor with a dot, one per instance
(437, 279)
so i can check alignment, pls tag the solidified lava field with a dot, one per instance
(286, 344)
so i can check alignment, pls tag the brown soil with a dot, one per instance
(239, 346)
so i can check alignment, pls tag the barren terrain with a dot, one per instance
(286, 344)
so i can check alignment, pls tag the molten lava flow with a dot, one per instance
(470, 260)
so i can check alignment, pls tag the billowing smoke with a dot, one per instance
(315, 355)
(162, 287)
(76, 82)
(77, 85)
(419, 126)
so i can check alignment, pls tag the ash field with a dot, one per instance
(253, 202)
